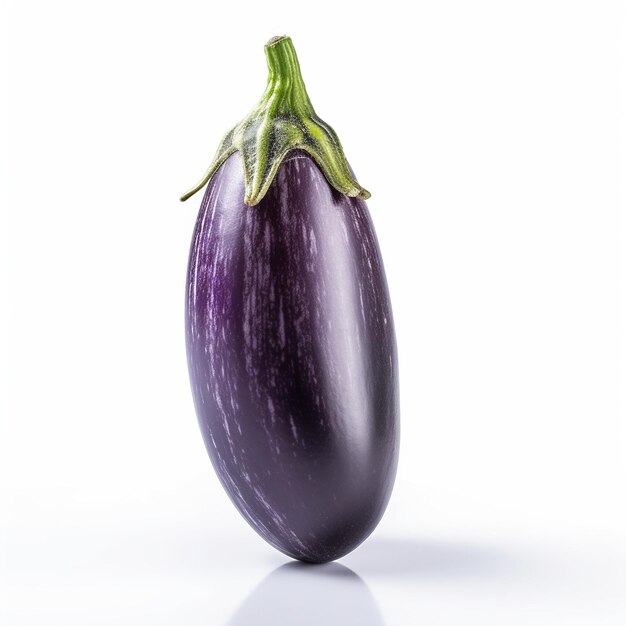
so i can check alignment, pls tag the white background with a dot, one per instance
(489, 135)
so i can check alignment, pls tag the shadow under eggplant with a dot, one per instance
(309, 595)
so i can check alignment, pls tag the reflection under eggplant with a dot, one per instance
(309, 595)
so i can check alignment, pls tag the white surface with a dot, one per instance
(493, 155)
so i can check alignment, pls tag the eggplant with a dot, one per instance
(289, 329)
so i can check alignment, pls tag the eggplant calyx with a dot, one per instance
(283, 120)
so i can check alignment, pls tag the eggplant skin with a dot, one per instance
(292, 358)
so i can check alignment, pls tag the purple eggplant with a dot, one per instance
(290, 338)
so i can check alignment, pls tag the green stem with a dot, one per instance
(283, 120)
(285, 84)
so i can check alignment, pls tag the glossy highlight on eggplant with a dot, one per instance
(290, 339)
